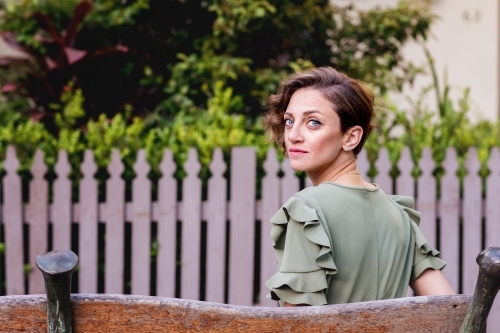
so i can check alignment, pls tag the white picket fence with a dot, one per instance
(476, 218)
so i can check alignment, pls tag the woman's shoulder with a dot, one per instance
(329, 189)
(320, 198)
(403, 200)
(309, 196)
(327, 196)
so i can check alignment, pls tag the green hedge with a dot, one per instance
(218, 128)
(214, 128)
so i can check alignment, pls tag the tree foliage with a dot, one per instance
(161, 58)
(160, 74)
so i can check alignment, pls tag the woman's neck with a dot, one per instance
(346, 167)
(345, 173)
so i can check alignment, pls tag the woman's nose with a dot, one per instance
(295, 134)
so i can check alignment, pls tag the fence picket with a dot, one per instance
(61, 212)
(405, 183)
(426, 200)
(493, 221)
(191, 229)
(449, 216)
(492, 202)
(216, 229)
(242, 211)
(290, 184)
(383, 165)
(363, 165)
(270, 205)
(426, 195)
(472, 226)
(115, 226)
(87, 250)
(37, 220)
(141, 226)
(13, 225)
(242, 227)
(167, 220)
(308, 182)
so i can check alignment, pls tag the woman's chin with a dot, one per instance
(298, 167)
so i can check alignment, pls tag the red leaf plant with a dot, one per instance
(44, 75)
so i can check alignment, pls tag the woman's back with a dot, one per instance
(341, 244)
(338, 243)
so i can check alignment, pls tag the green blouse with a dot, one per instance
(341, 244)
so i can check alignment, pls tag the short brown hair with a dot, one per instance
(353, 103)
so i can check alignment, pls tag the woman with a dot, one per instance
(343, 240)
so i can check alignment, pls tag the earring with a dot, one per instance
(346, 148)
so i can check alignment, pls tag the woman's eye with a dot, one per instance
(288, 122)
(314, 123)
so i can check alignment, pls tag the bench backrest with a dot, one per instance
(126, 313)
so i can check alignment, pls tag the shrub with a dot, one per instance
(160, 58)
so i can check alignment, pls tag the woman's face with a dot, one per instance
(313, 136)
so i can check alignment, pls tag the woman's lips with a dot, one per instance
(296, 152)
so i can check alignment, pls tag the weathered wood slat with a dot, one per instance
(38, 231)
(449, 216)
(155, 210)
(102, 313)
(61, 207)
(141, 226)
(242, 225)
(115, 226)
(426, 200)
(472, 225)
(13, 225)
(216, 230)
(383, 166)
(270, 204)
(87, 249)
(191, 229)
(167, 224)
(493, 222)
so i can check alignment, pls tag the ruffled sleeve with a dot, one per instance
(304, 253)
(424, 256)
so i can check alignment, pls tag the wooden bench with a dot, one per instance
(59, 312)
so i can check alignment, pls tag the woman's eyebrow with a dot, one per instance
(306, 113)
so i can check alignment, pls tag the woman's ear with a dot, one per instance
(352, 137)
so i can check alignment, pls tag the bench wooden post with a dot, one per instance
(488, 283)
(57, 268)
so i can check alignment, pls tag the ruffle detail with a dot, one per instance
(294, 283)
(291, 296)
(424, 256)
(304, 282)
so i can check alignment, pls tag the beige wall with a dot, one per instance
(465, 42)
